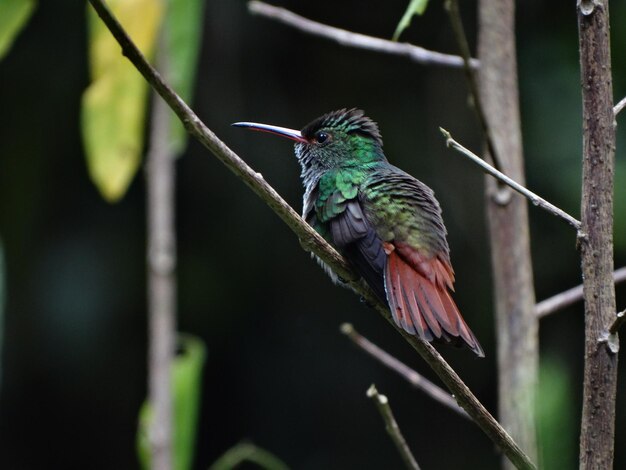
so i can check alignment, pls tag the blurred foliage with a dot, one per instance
(114, 105)
(416, 7)
(182, 38)
(186, 393)
(556, 415)
(247, 452)
(14, 15)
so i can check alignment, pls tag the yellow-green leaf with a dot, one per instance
(416, 7)
(186, 393)
(114, 105)
(182, 39)
(14, 15)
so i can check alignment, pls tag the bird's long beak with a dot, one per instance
(281, 131)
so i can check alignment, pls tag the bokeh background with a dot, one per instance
(278, 372)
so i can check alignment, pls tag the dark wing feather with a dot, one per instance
(418, 272)
(352, 234)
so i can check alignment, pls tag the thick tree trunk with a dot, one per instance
(516, 323)
(596, 240)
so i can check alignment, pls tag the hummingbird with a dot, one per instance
(385, 222)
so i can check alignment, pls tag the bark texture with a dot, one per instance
(596, 240)
(507, 214)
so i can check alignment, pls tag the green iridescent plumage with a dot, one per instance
(385, 222)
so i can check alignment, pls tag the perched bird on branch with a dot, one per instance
(385, 222)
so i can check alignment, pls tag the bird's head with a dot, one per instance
(339, 139)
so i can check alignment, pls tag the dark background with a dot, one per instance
(278, 373)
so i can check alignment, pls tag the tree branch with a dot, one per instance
(570, 296)
(415, 379)
(610, 337)
(597, 434)
(619, 106)
(392, 428)
(487, 168)
(620, 318)
(356, 40)
(311, 240)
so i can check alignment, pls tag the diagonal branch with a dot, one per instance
(619, 106)
(415, 379)
(570, 296)
(535, 199)
(620, 318)
(392, 428)
(356, 40)
(311, 240)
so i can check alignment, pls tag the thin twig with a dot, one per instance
(619, 106)
(414, 378)
(610, 337)
(392, 428)
(535, 199)
(570, 296)
(452, 7)
(620, 318)
(356, 40)
(312, 241)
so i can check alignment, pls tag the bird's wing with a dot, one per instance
(417, 273)
(338, 216)
(359, 243)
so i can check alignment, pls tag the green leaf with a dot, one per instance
(247, 452)
(416, 7)
(182, 39)
(186, 393)
(114, 105)
(14, 15)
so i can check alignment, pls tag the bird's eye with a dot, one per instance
(321, 137)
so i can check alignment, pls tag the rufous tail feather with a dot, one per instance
(424, 306)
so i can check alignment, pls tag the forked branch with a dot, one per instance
(392, 428)
(356, 40)
(414, 378)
